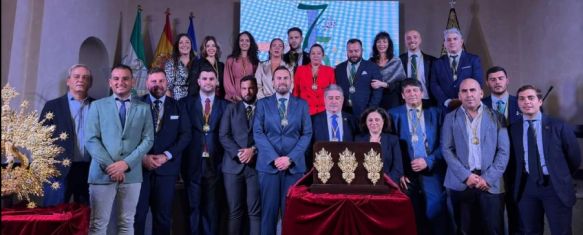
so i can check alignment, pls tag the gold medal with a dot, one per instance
(352, 90)
(284, 122)
(314, 86)
(205, 154)
(475, 141)
(414, 138)
(206, 128)
(455, 77)
(350, 102)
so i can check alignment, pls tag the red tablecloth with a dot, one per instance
(309, 213)
(58, 220)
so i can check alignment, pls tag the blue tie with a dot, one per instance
(335, 129)
(281, 108)
(500, 106)
(419, 146)
(122, 111)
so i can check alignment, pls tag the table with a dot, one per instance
(310, 213)
(62, 219)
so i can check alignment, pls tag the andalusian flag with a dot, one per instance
(135, 57)
(192, 35)
(164, 49)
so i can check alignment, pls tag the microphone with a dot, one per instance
(548, 92)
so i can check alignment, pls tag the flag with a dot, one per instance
(192, 35)
(164, 49)
(452, 22)
(135, 57)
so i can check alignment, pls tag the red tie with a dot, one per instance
(207, 107)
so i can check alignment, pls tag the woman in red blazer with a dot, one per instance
(311, 80)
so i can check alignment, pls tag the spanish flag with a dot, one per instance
(164, 49)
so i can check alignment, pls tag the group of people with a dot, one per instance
(240, 134)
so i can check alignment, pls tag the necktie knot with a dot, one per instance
(282, 101)
(413, 56)
(500, 106)
(334, 116)
(122, 101)
(157, 102)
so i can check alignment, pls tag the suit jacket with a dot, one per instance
(433, 119)
(365, 96)
(427, 64)
(321, 131)
(193, 162)
(305, 58)
(514, 113)
(235, 133)
(63, 123)
(494, 145)
(109, 142)
(442, 85)
(303, 86)
(173, 136)
(390, 152)
(273, 140)
(561, 153)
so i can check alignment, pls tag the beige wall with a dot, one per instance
(536, 41)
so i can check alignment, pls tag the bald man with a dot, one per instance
(417, 64)
(475, 146)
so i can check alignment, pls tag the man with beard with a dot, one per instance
(73, 106)
(162, 163)
(119, 132)
(499, 99)
(240, 176)
(295, 56)
(475, 146)
(202, 157)
(417, 64)
(282, 130)
(355, 76)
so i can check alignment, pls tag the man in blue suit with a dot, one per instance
(417, 64)
(506, 105)
(355, 76)
(499, 99)
(202, 158)
(475, 146)
(418, 130)
(546, 155)
(162, 163)
(333, 124)
(240, 176)
(73, 106)
(282, 130)
(119, 132)
(451, 69)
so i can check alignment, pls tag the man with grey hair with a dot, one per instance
(451, 69)
(70, 110)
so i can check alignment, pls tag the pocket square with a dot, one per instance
(467, 67)
(364, 73)
(174, 117)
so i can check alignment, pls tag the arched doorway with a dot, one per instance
(93, 54)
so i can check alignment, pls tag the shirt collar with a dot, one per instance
(247, 105)
(278, 96)
(329, 114)
(419, 108)
(410, 53)
(152, 98)
(119, 98)
(71, 97)
(204, 97)
(459, 54)
(480, 109)
(503, 98)
(538, 117)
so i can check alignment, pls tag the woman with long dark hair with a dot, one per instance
(242, 62)
(265, 69)
(210, 53)
(178, 67)
(391, 68)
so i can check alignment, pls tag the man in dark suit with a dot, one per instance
(417, 64)
(296, 56)
(162, 163)
(499, 99)
(355, 76)
(70, 110)
(506, 105)
(240, 176)
(282, 130)
(475, 146)
(451, 69)
(418, 130)
(546, 155)
(202, 157)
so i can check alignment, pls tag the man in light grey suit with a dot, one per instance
(475, 146)
(119, 132)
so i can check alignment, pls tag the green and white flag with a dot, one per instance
(135, 57)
